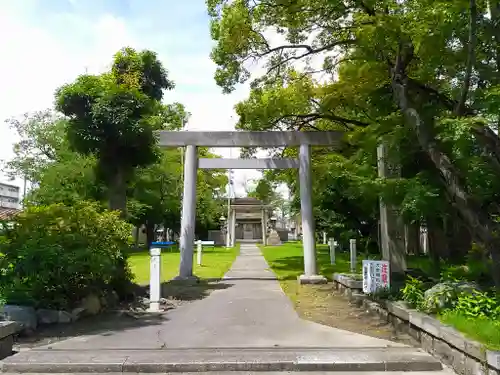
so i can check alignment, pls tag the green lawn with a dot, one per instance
(216, 262)
(485, 331)
(287, 260)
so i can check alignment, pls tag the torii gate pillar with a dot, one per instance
(304, 140)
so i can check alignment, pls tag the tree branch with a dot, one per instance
(309, 51)
(306, 118)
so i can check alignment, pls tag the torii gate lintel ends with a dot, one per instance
(304, 140)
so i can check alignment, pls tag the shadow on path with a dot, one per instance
(127, 316)
(103, 324)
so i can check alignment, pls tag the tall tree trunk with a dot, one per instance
(460, 240)
(118, 193)
(391, 223)
(478, 221)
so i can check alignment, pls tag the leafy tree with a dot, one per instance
(65, 176)
(113, 117)
(264, 191)
(388, 76)
(68, 181)
(42, 141)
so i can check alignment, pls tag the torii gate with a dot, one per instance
(304, 140)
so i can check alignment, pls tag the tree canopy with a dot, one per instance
(103, 125)
(421, 77)
(112, 116)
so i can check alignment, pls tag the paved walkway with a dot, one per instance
(252, 311)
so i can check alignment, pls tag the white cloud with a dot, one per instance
(35, 61)
(41, 56)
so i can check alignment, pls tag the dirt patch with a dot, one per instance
(323, 304)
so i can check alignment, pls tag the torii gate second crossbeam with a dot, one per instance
(304, 140)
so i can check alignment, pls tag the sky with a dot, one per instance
(46, 43)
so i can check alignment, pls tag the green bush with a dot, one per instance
(413, 292)
(53, 256)
(478, 305)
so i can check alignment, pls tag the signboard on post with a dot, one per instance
(376, 276)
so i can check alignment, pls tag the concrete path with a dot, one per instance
(252, 311)
(248, 326)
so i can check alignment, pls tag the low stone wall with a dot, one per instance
(7, 332)
(217, 236)
(465, 356)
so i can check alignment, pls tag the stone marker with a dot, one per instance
(352, 246)
(332, 244)
(199, 249)
(155, 280)
(274, 238)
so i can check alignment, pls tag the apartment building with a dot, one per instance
(10, 196)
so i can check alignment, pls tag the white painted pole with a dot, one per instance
(264, 227)
(324, 238)
(233, 228)
(308, 240)
(229, 217)
(229, 226)
(332, 244)
(188, 218)
(352, 245)
(155, 279)
(199, 249)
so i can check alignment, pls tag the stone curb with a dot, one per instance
(8, 328)
(464, 355)
(207, 360)
(7, 331)
(347, 281)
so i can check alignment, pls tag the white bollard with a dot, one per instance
(324, 238)
(352, 243)
(155, 279)
(199, 248)
(332, 244)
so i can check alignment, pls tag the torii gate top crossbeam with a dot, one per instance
(248, 138)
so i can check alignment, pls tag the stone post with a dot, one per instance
(264, 227)
(188, 218)
(228, 228)
(412, 240)
(199, 250)
(331, 245)
(391, 225)
(354, 255)
(233, 228)
(308, 241)
(155, 279)
(324, 238)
